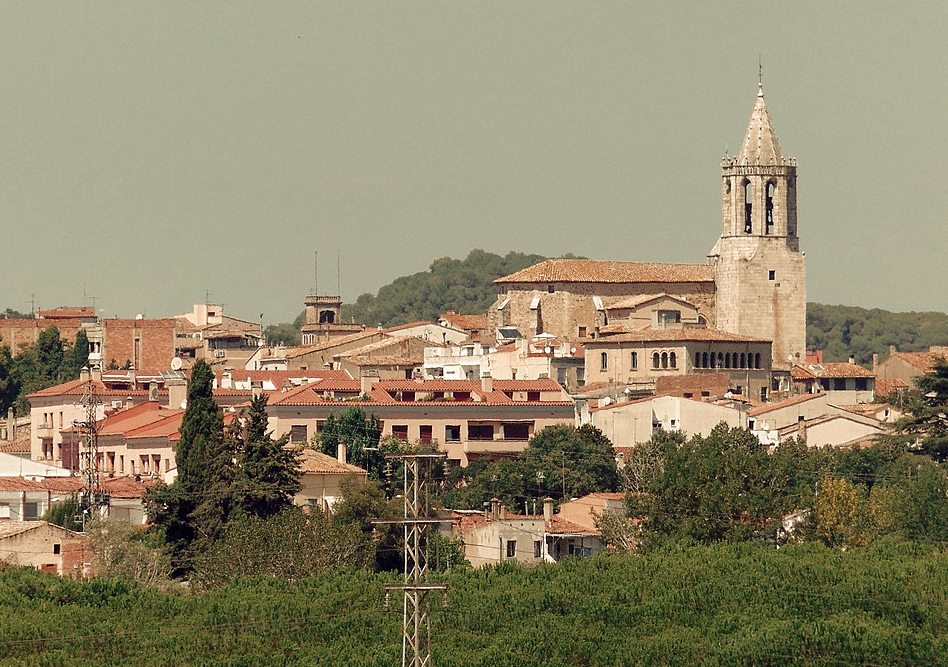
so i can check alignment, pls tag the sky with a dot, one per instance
(153, 155)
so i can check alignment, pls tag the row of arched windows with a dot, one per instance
(664, 360)
(748, 360)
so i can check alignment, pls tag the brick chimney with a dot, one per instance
(494, 509)
(256, 388)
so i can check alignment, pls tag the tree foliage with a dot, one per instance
(841, 331)
(560, 462)
(927, 420)
(220, 475)
(47, 362)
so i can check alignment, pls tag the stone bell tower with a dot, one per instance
(759, 271)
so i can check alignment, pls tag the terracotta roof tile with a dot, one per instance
(840, 370)
(673, 334)
(923, 361)
(597, 271)
(777, 405)
(315, 462)
(465, 322)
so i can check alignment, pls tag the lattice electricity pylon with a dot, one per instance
(92, 498)
(416, 610)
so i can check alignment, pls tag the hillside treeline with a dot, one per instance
(841, 331)
(718, 604)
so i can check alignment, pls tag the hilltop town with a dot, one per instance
(554, 414)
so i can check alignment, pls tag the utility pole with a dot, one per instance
(416, 608)
(92, 498)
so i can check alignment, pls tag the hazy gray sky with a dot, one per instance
(152, 151)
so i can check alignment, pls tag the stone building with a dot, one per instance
(753, 283)
(759, 271)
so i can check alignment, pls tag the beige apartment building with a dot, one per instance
(467, 419)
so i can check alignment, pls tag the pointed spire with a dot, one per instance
(760, 144)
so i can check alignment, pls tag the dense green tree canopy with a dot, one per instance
(927, 422)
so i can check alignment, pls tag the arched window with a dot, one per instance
(757, 360)
(771, 191)
(748, 206)
(672, 360)
(743, 360)
(720, 360)
(704, 360)
(634, 361)
(603, 361)
(697, 360)
(664, 359)
(727, 360)
(656, 360)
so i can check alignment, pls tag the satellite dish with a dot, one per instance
(176, 364)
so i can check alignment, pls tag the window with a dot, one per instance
(862, 384)
(757, 360)
(537, 548)
(750, 424)
(30, 511)
(743, 360)
(720, 360)
(533, 396)
(582, 332)
(298, 433)
(634, 361)
(400, 431)
(511, 548)
(516, 431)
(771, 275)
(656, 360)
(769, 207)
(727, 360)
(57, 549)
(424, 434)
(697, 360)
(748, 206)
(704, 360)
(452, 433)
(839, 384)
(550, 289)
(763, 393)
(672, 360)
(664, 359)
(480, 432)
(603, 361)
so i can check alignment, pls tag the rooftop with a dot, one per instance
(600, 271)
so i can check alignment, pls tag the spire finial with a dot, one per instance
(760, 76)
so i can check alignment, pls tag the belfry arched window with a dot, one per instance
(748, 206)
(771, 191)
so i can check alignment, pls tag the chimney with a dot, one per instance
(852, 360)
(892, 349)
(128, 402)
(256, 388)
(341, 452)
(11, 425)
(227, 379)
(152, 391)
(177, 394)
(367, 381)
(96, 374)
(494, 509)
(548, 509)
(503, 512)
(487, 383)
(875, 362)
(84, 374)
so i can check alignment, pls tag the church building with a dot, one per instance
(752, 288)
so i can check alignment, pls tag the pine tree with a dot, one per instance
(268, 473)
(76, 357)
(928, 422)
(193, 510)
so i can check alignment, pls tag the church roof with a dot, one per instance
(760, 145)
(598, 271)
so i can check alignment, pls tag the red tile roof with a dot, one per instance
(885, 386)
(840, 370)
(315, 462)
(673, 334)
(596, 271)
(793, 400)
(923, 361)
(465, 322)
(66, 313)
